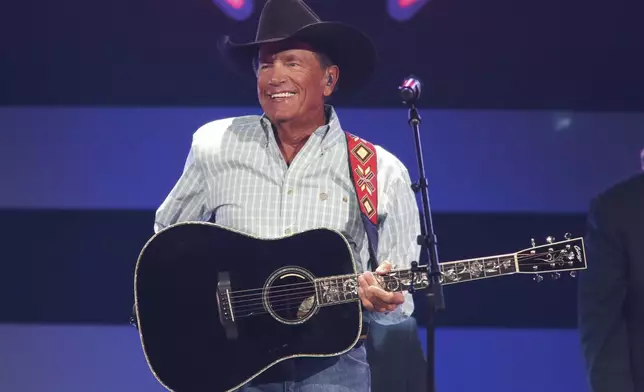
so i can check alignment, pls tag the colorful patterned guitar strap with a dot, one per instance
(363, 165)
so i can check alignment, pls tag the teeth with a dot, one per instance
(282, 95)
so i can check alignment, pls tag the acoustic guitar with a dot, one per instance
(216, 307)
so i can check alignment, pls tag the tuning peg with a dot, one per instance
(573, 274)
(532, 241)
(556, 275)
(550, 239)
(567, 236)
(538, 278)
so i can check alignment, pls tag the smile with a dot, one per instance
(281, 95)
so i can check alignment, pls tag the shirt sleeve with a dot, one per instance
(601, 299)
(397, 242)
(187, 201)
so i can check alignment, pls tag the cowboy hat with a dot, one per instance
(350, 49)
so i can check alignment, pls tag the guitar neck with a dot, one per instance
(344, 288)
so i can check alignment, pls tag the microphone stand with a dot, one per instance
(410, 92)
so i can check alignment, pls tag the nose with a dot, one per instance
(278, 76)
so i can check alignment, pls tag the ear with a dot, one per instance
(330, 79)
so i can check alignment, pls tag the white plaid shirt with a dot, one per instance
(236, 176)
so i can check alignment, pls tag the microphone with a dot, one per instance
(410, 90)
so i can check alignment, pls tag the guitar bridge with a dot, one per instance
(225, 306)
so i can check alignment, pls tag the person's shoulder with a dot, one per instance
(212, 132)
(215, 137)
(631, 187)
(388, 161)
(392, 172)
(623, 193)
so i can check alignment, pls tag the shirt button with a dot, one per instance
(290, 192)
(287, 231)
(323, 196)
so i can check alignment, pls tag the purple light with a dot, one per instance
(403, 10)
(235, 9)
(407, 3)
(236, 4)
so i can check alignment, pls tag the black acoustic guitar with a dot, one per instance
(216, 307)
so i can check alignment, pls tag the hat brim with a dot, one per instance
(349, 48)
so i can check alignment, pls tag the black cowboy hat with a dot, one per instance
(281, 20)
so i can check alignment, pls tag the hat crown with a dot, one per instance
(282, 18)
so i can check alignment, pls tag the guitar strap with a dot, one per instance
(363, 165)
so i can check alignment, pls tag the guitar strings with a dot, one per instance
(299, 295)
(253, 292)
(292, 302)
(282, 298)
(285, 304)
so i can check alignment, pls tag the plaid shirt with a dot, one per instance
(236, 176)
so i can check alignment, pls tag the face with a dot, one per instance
(291, 83)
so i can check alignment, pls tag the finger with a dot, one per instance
(365, 301)
(384, 268)
(374, 297)
(369, 300)
(370, 279)
(380, 306)
(385, 297)
(363, 281)
(363, 288)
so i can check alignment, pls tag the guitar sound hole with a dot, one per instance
(290, 296)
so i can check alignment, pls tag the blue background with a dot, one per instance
(476, 160)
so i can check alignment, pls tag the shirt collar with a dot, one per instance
(331, 132)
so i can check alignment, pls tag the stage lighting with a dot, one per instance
(403, 10)
(235, 9)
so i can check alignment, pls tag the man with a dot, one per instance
(611, 290)
(288, 171)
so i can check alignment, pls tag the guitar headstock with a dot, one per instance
(553, 258)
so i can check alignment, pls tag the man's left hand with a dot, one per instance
(373, 297)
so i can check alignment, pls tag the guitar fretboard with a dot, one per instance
(344, 288)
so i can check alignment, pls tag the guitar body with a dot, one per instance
(216, 307)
